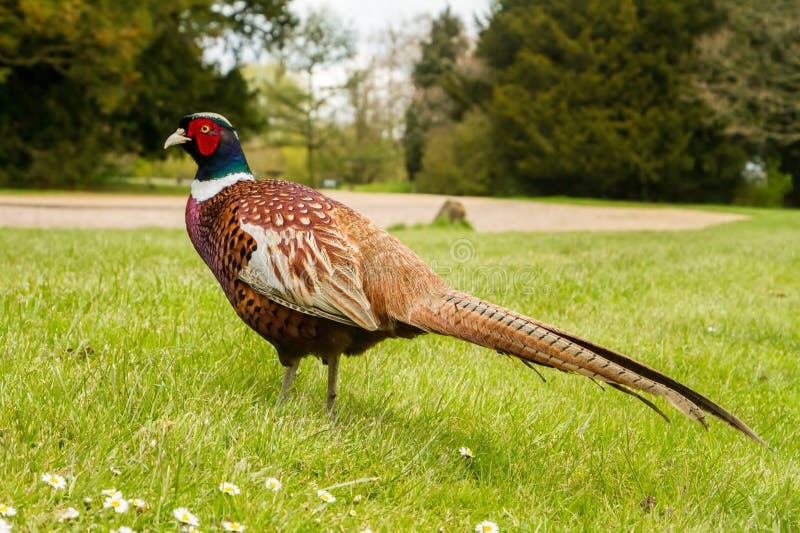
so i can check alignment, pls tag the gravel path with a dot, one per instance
(86, 210)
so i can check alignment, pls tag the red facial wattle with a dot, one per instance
(206, 133)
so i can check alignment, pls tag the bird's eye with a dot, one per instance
(205, 128)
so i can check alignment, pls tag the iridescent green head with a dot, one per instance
(212, 142)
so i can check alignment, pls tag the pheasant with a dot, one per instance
(314, 277)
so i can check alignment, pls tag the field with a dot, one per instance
(124, 367)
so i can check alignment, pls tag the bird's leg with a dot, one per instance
(288, 379)
(333, 374)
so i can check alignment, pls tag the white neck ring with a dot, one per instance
(203, 190)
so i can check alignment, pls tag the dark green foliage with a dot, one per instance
(582, 97)
(590, 98)
(748, 71)
(79, 81)
(440, 51)
(458, 158)
(414, 138)
(790, 163)
(748, 77)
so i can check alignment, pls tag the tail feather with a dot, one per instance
(483, 323)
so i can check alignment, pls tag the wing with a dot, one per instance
(313, 269)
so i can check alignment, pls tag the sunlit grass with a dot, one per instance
(123, 366)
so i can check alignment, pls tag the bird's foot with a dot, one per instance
(333, 374)
(288, 379)
(331, 399)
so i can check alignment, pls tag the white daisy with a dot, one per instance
(5, 527)
(466, 452)
(229, 488)
(487, 527)
(111, 493)
(122, 529)
(7, 510)
(119, 504)
(68, 514)
(138, 504)
(273, 484)
(183, 515)
(191, 529)
(54, 480)
(326, 496)
(228, 525)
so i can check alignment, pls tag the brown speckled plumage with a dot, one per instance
(215, 228)
(313, 277)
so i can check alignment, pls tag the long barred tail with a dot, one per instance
(483, 323)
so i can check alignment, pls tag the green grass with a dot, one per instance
(150, 186)
(119, 350)
(383, 186)
(154, 187)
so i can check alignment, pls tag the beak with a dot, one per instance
(176, 138)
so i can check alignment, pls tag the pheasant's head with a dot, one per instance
(212, 142)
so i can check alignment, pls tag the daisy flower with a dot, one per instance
(183, 515)
(191, 529)
(273, 484)
(5, 527)
(54, 480)
(138, 504)
(233, 526)
(7, 510)
(123, 529)
(111, 493)
(326, 496)
(119, 504)
(487, 527)
(466, 452)
(68, 514)
(229, 488)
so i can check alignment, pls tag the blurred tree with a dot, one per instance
(395, 55)
(357, 126)
(749, 75)
(749, 71)
(416, 124)
(440, 53)
(80, 79)
(321, 40)
(365, 150)
(591, 98)
(458, 157)
(283, 103)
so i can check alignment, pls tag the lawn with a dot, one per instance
(124, 367)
